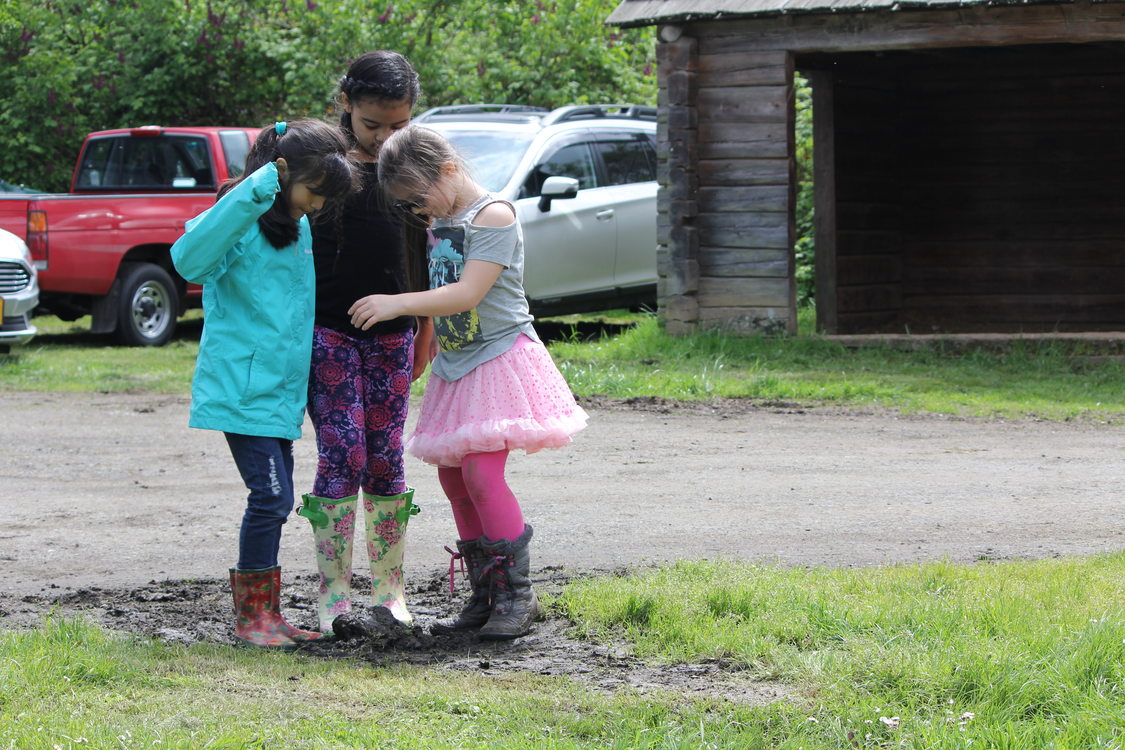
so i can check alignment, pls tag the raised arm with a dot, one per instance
(201, 253)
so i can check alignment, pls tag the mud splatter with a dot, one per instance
(199, 611)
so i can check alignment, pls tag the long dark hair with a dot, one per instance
(316, 154)
(387, 77)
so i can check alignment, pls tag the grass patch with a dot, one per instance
(1009, 655)
(1041, 380)
(1000, 655)
(623, 355)
(70, 684)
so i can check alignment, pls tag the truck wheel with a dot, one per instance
(146, 313)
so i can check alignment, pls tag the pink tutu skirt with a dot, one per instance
(517, 401)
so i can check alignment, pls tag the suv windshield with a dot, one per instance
(492, 154)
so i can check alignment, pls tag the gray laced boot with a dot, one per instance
(514, 604)
(477, 608)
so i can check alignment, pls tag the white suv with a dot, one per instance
(583, 181)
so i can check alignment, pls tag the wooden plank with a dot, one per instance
(745, 172)
(879, 321)
(824, 200)
(868, 298)
(757, 198)
(972, 26)
(1041, 311)
(868, 269)
(739, 140)
(743, 68)
(1004, 280)
(743, 292)
(744, 104)
(867, 242)
(764, 230)
(748, 320)
(758, 262)
(1033, 253)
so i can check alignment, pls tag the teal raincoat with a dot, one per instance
(252, 374)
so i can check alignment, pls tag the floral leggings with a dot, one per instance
(359, 391)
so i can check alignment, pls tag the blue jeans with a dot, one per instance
(266, 465)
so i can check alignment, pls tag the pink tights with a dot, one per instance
(483, 505)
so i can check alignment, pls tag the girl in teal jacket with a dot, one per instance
(252, 252)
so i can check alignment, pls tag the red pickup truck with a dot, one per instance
(102, 248)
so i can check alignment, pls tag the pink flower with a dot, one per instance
(327, 549)
(331, 373)
(389, 531)
(346, 524)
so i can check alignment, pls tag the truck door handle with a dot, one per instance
(605, 215)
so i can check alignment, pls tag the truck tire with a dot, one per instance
(147, 305)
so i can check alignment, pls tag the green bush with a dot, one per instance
(69, 67)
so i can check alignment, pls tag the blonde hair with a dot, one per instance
(412, 160)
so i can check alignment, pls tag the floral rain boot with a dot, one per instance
(258, 616)
(507, 575)
(477, 609)
(386, 519)
(333, 525)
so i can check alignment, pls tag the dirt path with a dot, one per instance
(104, 496)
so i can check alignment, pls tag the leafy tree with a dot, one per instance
(68, 67)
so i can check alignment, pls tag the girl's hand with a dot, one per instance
(374, 308)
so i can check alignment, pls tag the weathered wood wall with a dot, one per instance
(980, 190)
(725, 206)
(967, 192)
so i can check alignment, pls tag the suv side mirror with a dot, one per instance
(556, 188)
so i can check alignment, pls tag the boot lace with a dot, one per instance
(453, 558)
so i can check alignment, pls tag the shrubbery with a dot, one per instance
(68, 67)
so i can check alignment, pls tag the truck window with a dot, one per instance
(236, 145)
(132, 163)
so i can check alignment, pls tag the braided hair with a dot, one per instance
(382, 75)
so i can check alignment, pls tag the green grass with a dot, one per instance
(1017, 654)
(1022, 654)
(70, 684)
(1052, 380)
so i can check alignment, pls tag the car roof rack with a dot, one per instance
(523, 111)
(598, 111)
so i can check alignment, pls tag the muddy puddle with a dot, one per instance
(200, 611)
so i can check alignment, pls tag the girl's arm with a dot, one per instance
(200, 254)
(476, 279)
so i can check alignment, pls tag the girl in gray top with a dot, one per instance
(494, 387)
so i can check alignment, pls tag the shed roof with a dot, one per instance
(647, 12)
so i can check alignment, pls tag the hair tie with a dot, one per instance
(280, 127)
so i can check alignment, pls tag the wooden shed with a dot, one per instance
(969, 163)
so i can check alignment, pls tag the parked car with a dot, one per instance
(8, 187)
(19, 292)
(583, 181)
(101, 249)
